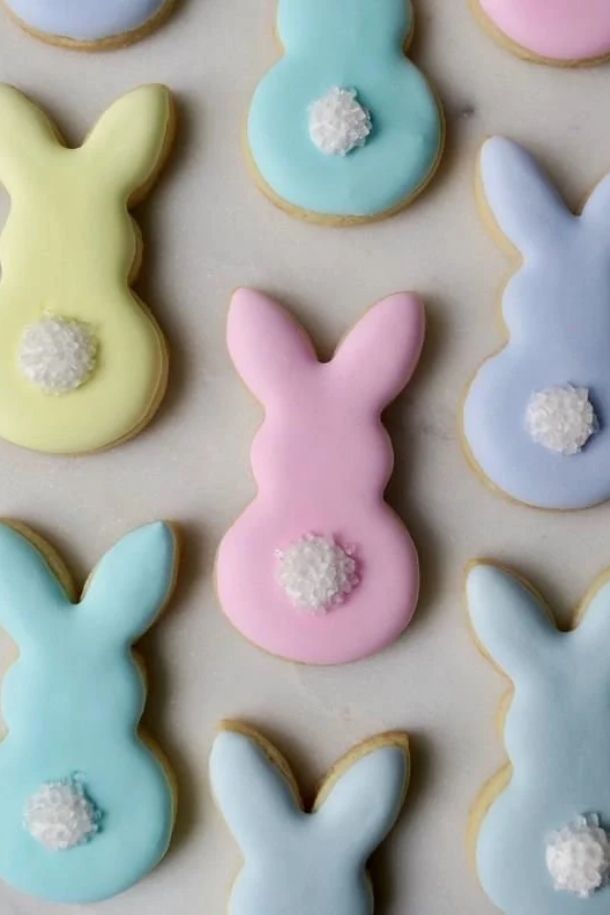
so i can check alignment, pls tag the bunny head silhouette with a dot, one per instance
(86, 808)
(542, 842)
(319, 569)
(344, 128)
(89, 23)
(560, 31)
(82, 363)
(302, 862)
(301, 25)
(535, 415)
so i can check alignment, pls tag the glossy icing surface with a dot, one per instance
(352, 45)
(557, 313)
(321, 460)
(306, 863)
(72, 702)
(556, 736)
(85, 20)
(562, 30)
(69, 250)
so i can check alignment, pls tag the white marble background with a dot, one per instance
(207, 229)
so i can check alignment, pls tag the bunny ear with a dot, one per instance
(378, 357)
(131, 584)
(30, 593)
(362, 804)
(130, 138)
(597, 210)
(271, 352)
(255, 797)
(526, 204)
(594, 626)
(27, 136)
(510, 622)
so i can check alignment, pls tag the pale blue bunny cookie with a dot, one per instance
(541, 827)
(304, 863)
(344, 128)
(89, 24)
(86, 807)
(536, 415)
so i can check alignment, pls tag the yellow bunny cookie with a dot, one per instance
(83, 365)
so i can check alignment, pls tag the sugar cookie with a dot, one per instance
(562, 32)
(86, 805)
(301, 861)
(319, 569)
(540, 827)
(83, 364)
(535, 417)
(344, 128)
(90, 25)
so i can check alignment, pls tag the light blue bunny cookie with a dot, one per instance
(305, 863)
(542, 843)
(344, 127)
(86, 809)
(536, 415)
(89, 23)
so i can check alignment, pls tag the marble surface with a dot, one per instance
(207, 229)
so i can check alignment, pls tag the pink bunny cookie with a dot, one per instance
(319, 569)
(551, 31)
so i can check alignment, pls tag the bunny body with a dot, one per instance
(556, 739)
(298, 862)
(354, 45)
(553, 30)
(558, 318)
(69, 251)
(87, 21)
(72, 703)
(321, 462)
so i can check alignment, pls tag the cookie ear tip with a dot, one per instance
(154, 90)
(496, 146)
(480, 572)
(157, 535)
(155, 528)
(405, 299)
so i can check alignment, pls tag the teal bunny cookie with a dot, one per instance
(344, 128)
(86, 809)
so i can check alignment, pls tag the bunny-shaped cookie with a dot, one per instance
(541, 826)
(86, 807)
(83, 364)
(535, 417)
(90, 24)
(565, 32)
(344, 128)
(319, 569)
(298, 862)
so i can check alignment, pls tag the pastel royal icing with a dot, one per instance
(69, 251)
(556, 30)
(557, 313)
(542, 843)
(350, 46)
(85, 20)
(86, 809)
(322, 461)
(299, 862)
